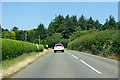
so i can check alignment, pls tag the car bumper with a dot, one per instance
(62, 50)
(59, 50)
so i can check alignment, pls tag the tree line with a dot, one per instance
(60, 30)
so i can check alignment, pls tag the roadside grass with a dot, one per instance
(10, 67)
(101, 55)
(8, 63)
(108, 56)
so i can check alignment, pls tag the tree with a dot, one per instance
(6, 34)
(106, 25)
(55, 38)
(78, 34)
(82, 19)
(6, 30)
(82, 23)
(74, 24)
(15, 28)
(12, 35)
(67, 28)
(64, 42)
(97, 24)
(112, 23)
(20, 35)
(51, 29)
(1, 29)
(44, 42)
(56, 25)
(119, 25)
(90, 23)
(40, 31)
(36, 41)
(31, 34)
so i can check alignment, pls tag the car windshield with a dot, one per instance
(58, 45)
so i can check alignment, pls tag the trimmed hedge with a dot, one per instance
(14, 48)
(41, 47)
(105, 42)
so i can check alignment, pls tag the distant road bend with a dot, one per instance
(70, 64)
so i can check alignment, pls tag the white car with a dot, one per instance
(58, 47)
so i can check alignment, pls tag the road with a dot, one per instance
(70, 64)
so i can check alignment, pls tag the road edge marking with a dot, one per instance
(90, 67)
(72, 55)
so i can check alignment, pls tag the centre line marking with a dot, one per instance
(68, 53)
(91, 67)
(74, 56)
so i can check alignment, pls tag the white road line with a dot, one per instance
(87, 64)
(68, 53)
(91, 67)
(74, 56)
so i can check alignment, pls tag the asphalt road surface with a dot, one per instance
(70, 64)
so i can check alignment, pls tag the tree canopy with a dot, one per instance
(61, 29)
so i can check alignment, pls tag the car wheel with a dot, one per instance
(54, 51)
(63, 51)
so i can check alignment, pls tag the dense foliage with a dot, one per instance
(105, 42)
(14, 48)
(78, 34)
(61, 30)
(72, 28)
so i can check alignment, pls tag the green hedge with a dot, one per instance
(14, 48)
(41, 47)
(105, 42)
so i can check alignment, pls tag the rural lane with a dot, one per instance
(70, 64)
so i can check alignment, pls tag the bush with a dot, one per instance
(41, 47)
(36, 41)
(105, 42)
(77, 34)
(14, 48)
(43, 42)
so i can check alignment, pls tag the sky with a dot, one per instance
(28, 15)
(60, 0)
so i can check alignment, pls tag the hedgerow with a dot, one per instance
(105, 42)
(14, 48)
(41, 47)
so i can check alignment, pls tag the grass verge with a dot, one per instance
(10, 67)
(109, 57)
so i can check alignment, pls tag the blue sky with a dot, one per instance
(28, 15)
